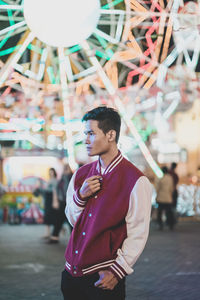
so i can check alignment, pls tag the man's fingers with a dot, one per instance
(95, 177)
(102, 280)
(101, 277)
(105, 285)
(95, 186)
(98, 283)
(90, 186)
(106, 281)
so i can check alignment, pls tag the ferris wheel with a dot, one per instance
(85, 47)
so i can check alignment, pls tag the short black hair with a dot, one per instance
(108, 119)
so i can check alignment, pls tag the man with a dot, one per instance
(108, 204)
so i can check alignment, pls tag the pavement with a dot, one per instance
(168, 269)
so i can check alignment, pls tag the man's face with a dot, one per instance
(96, 141)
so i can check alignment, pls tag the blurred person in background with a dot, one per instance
(175, 178)
(175, 182)
(2, 189)
(59, 203)
(47, 193)
(164, 188)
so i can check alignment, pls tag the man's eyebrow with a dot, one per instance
(88, 131)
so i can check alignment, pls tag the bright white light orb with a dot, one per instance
(62, 23)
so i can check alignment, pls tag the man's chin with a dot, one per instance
(90, 153)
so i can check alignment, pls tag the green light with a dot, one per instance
(2, 43)
(51, 75)
(73, 49)
(58, 78)
(34, 48)
(9, 50)
(102, 55)
(109, 5)
(144, 133)
(104, 44)
(54, 79)
(10, 16)
(8, 35)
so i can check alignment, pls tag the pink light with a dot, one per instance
(148, 36)
(6, 92)
(136, 72)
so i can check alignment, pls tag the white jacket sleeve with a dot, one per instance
(137, 222)
(74, 205)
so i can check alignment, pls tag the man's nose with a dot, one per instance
(87, 141)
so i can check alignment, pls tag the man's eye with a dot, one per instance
(88, 133)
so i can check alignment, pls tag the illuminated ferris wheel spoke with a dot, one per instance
(66, 106)
(78, 68)
(112, 12)
(106, 36)
(15, 18)
(111, 4)
(14, 59)
(10, 34)
(119, 27)
(85, 73)
(42, 63)
(11, 7)
(35, 55)
(52, 76)
(13, 27)
(167, 39)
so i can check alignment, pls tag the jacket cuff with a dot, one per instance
(117, 270)
(78, 200)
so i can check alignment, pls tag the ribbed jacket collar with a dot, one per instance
(112, 164)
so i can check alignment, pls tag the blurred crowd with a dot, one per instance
(52, 194)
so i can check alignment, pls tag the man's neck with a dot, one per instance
(105, 159)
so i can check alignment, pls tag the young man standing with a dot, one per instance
(108, 204)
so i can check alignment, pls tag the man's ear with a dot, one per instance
(111, 135)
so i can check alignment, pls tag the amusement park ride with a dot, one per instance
(138, 56)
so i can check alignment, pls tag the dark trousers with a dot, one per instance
(168, 209)
(82, 288)
(175, 197)
(60, 218)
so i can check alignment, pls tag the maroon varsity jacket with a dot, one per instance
(101, 228)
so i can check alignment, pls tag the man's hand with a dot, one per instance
(90, 186)
(107, 280)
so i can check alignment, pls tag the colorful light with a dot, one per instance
(59, 24)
